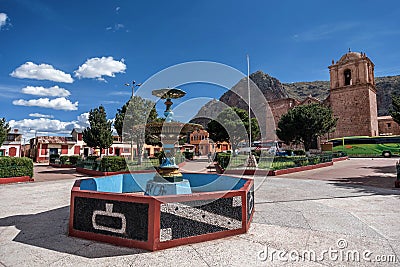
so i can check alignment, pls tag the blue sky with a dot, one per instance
(83, 52)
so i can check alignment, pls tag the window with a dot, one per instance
(347, 77)
(388, 124)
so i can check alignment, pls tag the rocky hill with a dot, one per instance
(273, 89)
(270, 87)
(385, 87)
(300, 90)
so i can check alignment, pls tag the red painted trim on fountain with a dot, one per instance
(19, 179)
(154, 213)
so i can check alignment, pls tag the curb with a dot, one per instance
(20, 179)
(274, 173)
(340, 159)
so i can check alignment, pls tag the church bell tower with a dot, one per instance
(353, 95)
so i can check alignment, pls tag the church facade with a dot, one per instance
(352, 98)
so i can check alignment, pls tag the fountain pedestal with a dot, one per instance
(168, 180)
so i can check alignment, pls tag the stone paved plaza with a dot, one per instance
(307, 212)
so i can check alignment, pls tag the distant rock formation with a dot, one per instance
(273, 89)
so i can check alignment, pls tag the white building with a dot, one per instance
(12, 145)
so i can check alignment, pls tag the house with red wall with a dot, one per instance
(12, 145)
(41, 147)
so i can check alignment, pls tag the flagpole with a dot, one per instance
(248, 91)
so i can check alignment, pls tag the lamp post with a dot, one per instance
(133, 85)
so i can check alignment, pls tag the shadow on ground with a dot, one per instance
(49, 230)
(382, 169)
(371, 184)
(58, 171)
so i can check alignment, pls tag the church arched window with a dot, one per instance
(347, 77)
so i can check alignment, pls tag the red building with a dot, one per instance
(12, 145)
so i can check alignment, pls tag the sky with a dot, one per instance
(60, 59)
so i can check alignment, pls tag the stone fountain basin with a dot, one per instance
(114, 209)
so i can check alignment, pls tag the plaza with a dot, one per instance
(308, 211)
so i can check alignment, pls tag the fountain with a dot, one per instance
(169, 179)
(164, 208)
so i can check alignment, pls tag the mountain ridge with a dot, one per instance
(273, 89)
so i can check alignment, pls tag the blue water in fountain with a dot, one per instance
(136, 182)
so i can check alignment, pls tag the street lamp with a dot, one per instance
(133, 85)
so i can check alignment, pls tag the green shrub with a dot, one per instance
(53, 158)
(92, 158)
(339, 154)
(15, 167)
(113, 164)
(64, 160)
(73, 160)
(223, 159)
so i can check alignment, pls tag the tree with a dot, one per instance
(232, 125)
(99, 133)
(303, 124)
(130, 122)
(395, 110)
(4, 129)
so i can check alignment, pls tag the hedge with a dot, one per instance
(223, 159)
(113, 164)
(53, 158)
(15, 167)
(64, 159)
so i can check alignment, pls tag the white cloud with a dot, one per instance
(99, 67)
(83, 120)
(116, 27)
(31, 70)
(42, 91)
(47, 126)
(38, 115)
(60, 103)
(325, 31)
(3, 20)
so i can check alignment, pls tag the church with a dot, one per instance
(352, 98)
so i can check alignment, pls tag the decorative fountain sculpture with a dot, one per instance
(161, 209)
(169, 179)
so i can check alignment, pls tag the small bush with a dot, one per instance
(53, 158)
(15, 167)
(73, 160)
(223, 159)
(64, 160)
(92, 158)
(113, 164)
